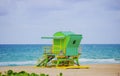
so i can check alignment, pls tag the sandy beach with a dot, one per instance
(94, 70)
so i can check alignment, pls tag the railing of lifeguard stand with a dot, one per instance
(50, 49)
(47, 49)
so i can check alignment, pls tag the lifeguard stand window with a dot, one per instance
(74, 41)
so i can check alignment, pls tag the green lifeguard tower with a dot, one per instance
(64, 51)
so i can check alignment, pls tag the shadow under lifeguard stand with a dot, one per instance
(64, 51)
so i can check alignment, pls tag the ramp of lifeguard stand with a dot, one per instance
(73, 67)
(41, 62)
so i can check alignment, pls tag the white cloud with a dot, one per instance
(96, 19)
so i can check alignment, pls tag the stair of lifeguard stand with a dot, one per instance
(45, 60)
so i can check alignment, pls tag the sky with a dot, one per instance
(26, 21)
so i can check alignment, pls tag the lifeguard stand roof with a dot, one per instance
(65, 33)
(59, 35)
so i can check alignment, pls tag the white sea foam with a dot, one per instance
(98, 61)
(82, 61)
(17, 63)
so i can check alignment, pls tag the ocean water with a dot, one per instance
(14, 55)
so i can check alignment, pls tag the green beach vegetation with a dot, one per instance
(23, 73)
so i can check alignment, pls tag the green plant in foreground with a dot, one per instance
(42, 74)
(9, 72)
(0, 73)
(61, 74)
(47, 75)
(34, 74)
(23, 73)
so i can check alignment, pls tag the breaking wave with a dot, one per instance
(82, 61)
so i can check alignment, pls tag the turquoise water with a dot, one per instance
(13, 55)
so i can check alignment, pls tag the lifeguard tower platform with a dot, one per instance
(64, 51)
